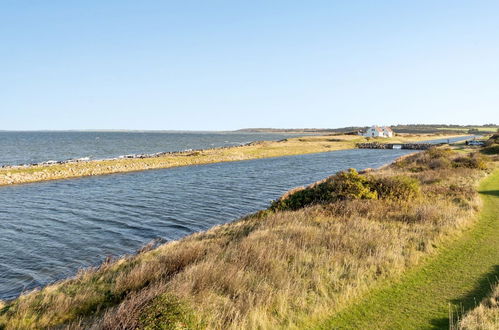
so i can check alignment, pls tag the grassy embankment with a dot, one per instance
(451, 282)
(266, 149)
(483, 317)
(312, 253)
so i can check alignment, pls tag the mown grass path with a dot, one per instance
(455, 279)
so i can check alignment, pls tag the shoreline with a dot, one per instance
(153, 244)
(11, 175)
(157, 243)
(138, 275)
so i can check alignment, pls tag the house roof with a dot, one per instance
(381, 129)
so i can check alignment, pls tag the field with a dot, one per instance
(263, 149)
(313, 254)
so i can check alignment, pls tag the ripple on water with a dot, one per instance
(51, 229)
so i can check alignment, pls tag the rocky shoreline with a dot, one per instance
(128, 156)
(81, 167)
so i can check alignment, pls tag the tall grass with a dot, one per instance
(485, 316)
(279, 268)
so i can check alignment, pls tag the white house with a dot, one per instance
(376, 131)
(387, 131)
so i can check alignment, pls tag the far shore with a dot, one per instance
(260, 149)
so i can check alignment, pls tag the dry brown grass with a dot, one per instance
(485, 316)
(270, 270)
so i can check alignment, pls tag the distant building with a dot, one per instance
(376, 131)
(387, 131)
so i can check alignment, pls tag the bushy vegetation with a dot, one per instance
(349, 185)
(492, 145)
(491, 150)
(400, 187)
(494, 139)
(474, 161)
(277, 269)
(346, 185)
(423, 128)
(441, 158)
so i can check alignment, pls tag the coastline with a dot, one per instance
(187, 264)
(255, 150)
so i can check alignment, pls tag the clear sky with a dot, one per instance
(217, 65)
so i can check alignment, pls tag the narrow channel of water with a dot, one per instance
(49, 230)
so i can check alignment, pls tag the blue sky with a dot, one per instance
(218, 65)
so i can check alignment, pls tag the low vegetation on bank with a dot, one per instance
(485, 316)
(492, 145)
(255, 150)
(405, 129)
(313, 252)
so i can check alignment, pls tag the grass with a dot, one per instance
(483, 317)
(264, 149)
(273, 269)
(452, 281)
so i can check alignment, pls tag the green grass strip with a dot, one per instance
(455, 279)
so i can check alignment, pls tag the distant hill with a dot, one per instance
(300, 130)
(409, 128)
(424, 128)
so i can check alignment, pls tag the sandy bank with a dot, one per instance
(263, 149)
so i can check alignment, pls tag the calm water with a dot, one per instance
(34, 147)
(49, 230)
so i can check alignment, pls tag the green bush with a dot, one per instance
(474, 161)
(491, 150)
(434, 153)
(433, 158)
(473, 131)
(349, 185)
(439, 163)
(397, 188)
(344, 185)
(494, 139)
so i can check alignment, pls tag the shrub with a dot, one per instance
(491, 150)
(344, 185)
(349, 185)
(474, 161)
(494, 139)
(433, 158)
(439, 163)
(435, 153)
(473, 131)
(397, 188)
